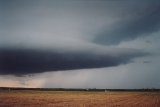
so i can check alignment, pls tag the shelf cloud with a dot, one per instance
(20, 61)
(113, 38)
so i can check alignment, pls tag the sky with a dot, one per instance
(80, 43)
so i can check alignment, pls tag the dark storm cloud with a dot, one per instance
(50, 35)
(143, 19)
(26, 61)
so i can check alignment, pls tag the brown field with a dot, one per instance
(78, 99)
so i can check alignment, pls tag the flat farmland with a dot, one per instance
(78, 99)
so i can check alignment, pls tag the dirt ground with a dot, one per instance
(78, 99)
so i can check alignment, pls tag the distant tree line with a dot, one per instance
(77, 89)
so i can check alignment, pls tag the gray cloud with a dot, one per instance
(27, 61)
(139, 21)
(39, 36)
(101, 22)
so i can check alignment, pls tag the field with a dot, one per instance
(78, 99)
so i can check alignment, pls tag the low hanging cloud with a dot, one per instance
(28, 61)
